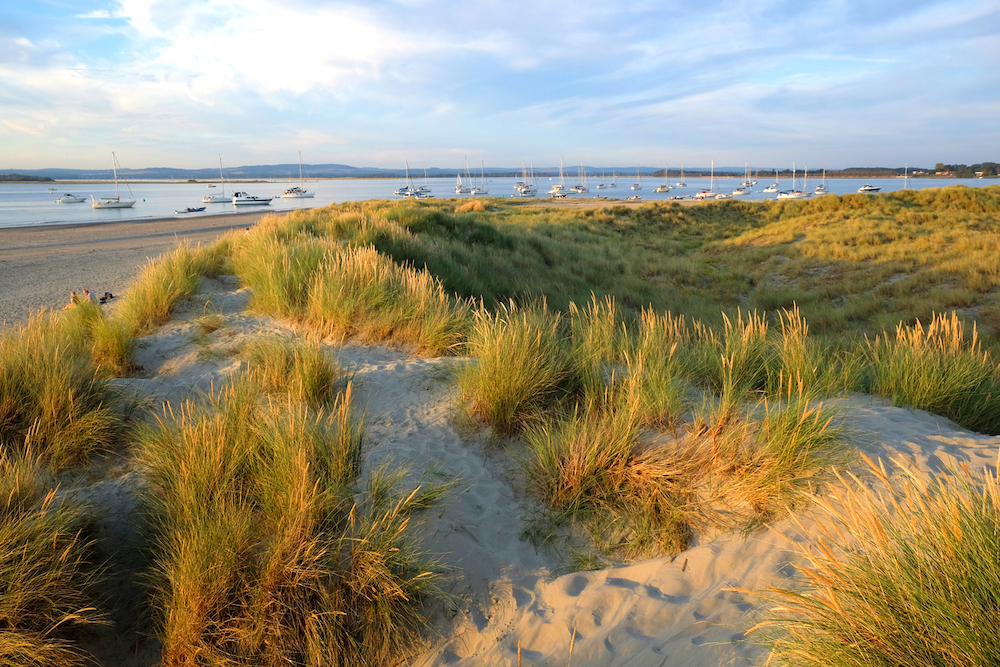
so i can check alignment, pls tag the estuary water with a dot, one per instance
(29, 204)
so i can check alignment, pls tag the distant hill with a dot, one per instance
(291, 171)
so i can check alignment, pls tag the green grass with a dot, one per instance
(908, 576)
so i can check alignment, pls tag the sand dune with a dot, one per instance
(505, 590)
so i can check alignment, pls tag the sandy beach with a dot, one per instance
(40, 266)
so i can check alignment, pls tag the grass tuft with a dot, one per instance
(903, 576)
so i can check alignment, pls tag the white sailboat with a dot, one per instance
(581, 187)
(460, 187)
(298, 191)
(116, 201)
(821, 188)
(710, 193)
(746, 184)
(527, 188)
(220, 198)
(601, 185)
(793, 193)
(681, 183)
(665, 187)
(614, 180)
(773, 187)
(481, 188)
(559, 189)
(638, 180)
(408, 188)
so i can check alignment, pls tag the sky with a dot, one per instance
(177, 83)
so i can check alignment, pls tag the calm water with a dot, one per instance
(34, 204)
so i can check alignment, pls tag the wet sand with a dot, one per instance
(40, 266)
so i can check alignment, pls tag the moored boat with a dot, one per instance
(222, 198)
(244, 199)
(70, 199)
(116, 201)
(298, 191)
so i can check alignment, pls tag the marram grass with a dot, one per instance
(267, 552)
(904, 575)
(51, 398)
(49, 581)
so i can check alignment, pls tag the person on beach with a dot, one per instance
(88, 296)
(73, 300)
(107, 297)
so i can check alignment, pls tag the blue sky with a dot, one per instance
(175, 83)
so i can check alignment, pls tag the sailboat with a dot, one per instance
(116, 201)
(581, 187)
(773, 187)
(638, 180)
(747, 182)
(614, 179)
(821, 188)
(601, 185)
(481, 189)
(220, 198)
(793, 193)
(666, 181)
(527, 188)
(559, 189)
(681, 183)
(460, 187)
(298, 191)
(408, 188)
(710, 193)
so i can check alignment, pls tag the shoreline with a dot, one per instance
(41, 264)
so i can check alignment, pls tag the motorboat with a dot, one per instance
(190, 209)
(298, 191)
(70, 199)
(116, 201)
(868, 189)
(244, 199)
(220, 198)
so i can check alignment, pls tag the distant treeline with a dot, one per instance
(21, 177)
(983, 169)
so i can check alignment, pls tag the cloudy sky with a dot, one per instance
(175, 83)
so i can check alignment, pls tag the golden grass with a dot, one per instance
(902, 574)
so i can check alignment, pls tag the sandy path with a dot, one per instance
(40, 266)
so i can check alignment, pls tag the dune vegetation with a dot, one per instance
(660, 371)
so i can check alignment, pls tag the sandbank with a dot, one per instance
(40, 265)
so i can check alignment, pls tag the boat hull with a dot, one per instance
(113, 203)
